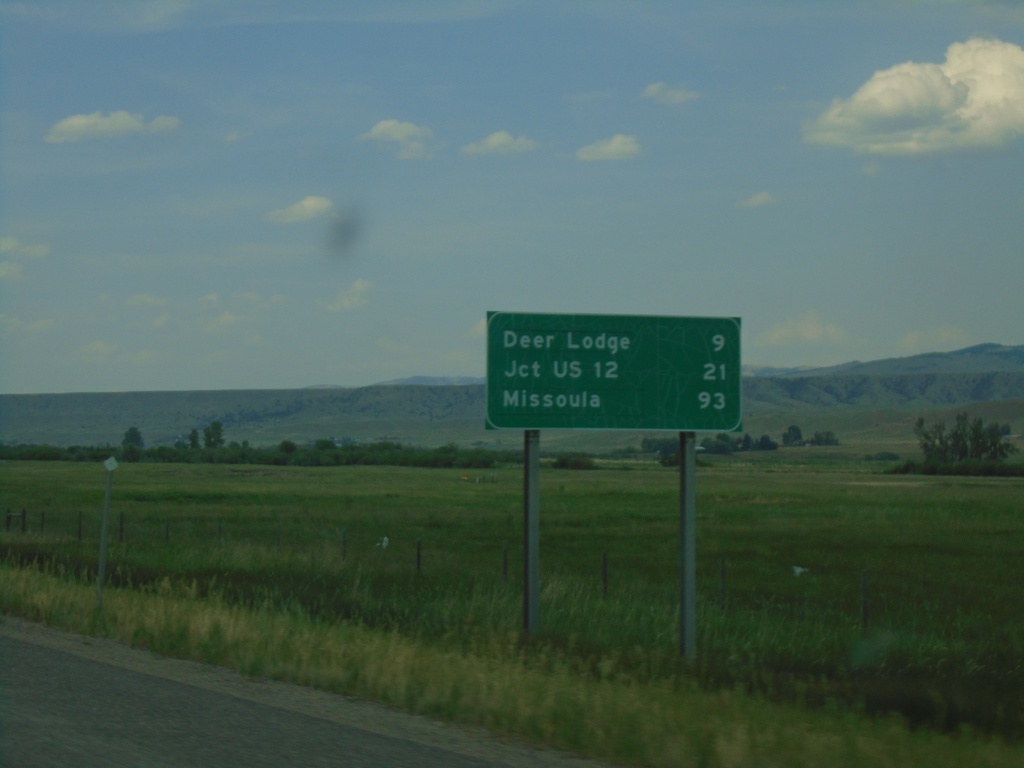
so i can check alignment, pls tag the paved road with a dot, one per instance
(72, 701)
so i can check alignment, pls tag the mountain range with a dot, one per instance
(433, 411)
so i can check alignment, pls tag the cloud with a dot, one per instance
(807, 329)
(665, 94)
(500, 143)
(10, 270)
(224, 320)
(10, 246)
(974, 99)
(13, 249)
(757, 200)
(97, 351)
(145, 300)
(411, 139)
(479, 329)
(12, 324)
(101, 126)
(618, 147)
(590, 97)
(352, 297)
(307, 208)
(142, 357)
(253, 299)
(945, 337)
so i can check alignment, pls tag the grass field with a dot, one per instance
(295, 554)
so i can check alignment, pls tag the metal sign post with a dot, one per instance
(110, 465)
(531, 530)
(687, 546)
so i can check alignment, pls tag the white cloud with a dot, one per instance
(479, 329)
(224, 320)
(142, 357)
(99, 126)
(10, 270)
(144, 300)
(258, 301)
(307, 208)
(352, 297)
(757, 200)
(10, 246)
(665, 94)
(411, 139)
(500, 143)
(807, 329)
(974, 99)
(618, 147)
(590, 97)
(934, 339)
(97, 351)
(12, 324)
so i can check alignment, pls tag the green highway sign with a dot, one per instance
(613, 372)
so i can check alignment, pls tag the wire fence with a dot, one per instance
(869, 597)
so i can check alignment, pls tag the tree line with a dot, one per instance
(213, 448)
(969, 446)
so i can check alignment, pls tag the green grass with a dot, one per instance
(944, 647)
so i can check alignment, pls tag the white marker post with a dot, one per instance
(110, 465)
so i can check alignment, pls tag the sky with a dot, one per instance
(236, 194)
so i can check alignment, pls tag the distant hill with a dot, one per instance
(981, 358)
(432, 413)
(433, 381)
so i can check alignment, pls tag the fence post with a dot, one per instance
(864, 602)
(8, 518)
(120, 528)
(167, 532)
(344, 543)
(721, 584)
(419, 555)
(42, 521)
(79, 525)
(604, 575)
(504, 561)
(24, 519)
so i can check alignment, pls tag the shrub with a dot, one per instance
(882, 456)
(574, 461)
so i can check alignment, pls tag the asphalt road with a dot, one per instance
(66, 700)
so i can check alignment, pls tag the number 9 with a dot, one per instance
(719, 342)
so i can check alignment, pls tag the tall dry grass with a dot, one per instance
(628, 722)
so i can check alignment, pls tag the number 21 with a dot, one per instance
(713, 372)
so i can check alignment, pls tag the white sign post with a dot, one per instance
(110, 465)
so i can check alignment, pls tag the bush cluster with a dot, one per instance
(574, 461)
(974, 468)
